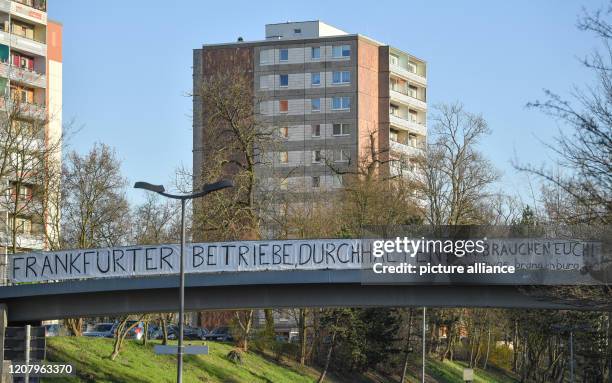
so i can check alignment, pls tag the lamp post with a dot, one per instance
(206, 189)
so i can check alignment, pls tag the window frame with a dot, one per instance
(314, 156)
(312, 76)
(312, 104)
(316, 128)
(312, 51)
(343, 129)
(281, 103)
(280, 80)
(344, 48)
(280, 54)
(284, 157)
(342, 105)
(316, 184)
(341, 77)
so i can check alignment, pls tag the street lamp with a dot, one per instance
(206, 189)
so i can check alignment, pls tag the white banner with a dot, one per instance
(127, 261)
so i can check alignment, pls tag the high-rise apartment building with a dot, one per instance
(333, 98)
(31, 75)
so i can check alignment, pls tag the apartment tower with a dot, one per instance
(30, 71)
(333, 97)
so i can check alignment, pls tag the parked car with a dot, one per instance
(221, 334)
(102, 330)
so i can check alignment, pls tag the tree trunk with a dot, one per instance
(486, 361)
(75, 325)
(164, 326)
(120, 333)
(145, 335)
(407, 349)
(269, 323)
(328, 357)
(302, 324)
(245, 327)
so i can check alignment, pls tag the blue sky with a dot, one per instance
(127, 66)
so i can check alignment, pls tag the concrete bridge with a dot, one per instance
(245, 290)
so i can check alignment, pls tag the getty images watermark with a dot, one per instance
(408, 247)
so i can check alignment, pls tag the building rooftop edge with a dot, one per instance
(289, 41)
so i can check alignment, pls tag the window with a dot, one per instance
(283, 54)
(412, 91)
(284, 131)
(316, 130)
(394, 110)
(263, 82)
(337, 180)
(341, 155)
(340, 51)
(284, 183)
(412, 115)
(283, 106)
(316, 156)
(393, 60)
(315, 53)
(341, 103)
(343, 77)
(316, 181)
(340, 129)
(412, 67)
(284, 157)
(315, 104)
(284, 80)
(25, 192)
(22, 225)
(297, 30)
(315, 78)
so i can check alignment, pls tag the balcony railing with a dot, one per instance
(23, 43)
(407, 148)
(41, 5)
(408, 74)
(23, 75)
(407, 100)
(406, 124)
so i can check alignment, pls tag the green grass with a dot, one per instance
(139, 364)
(448, 371)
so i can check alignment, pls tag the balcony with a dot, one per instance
(24, 241)
(405, 124)
(31, 10)
(405, 149)
(23, 75)
(26, 110)
(407, 74)
(22, 43)
(406, 99)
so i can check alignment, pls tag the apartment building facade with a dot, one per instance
(332, 97)
(30, 72)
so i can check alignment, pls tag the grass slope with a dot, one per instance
(140, 364)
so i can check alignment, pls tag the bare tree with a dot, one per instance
(26, 150)
(95, 211)
(456, 177)
(125, 324)
(585, 151)
(237, 145)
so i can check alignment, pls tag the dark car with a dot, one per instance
(101, 330)
(222, 334)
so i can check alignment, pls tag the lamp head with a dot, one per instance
(150, 187)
